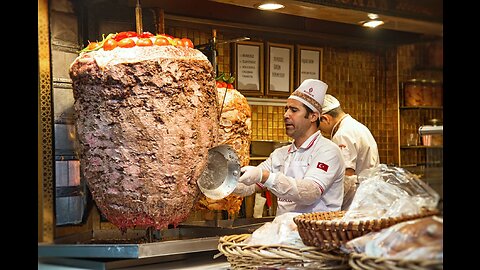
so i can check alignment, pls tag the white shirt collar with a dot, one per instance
(306, 144)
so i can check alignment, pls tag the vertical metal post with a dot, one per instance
(160, 20)
(138, 18)
(213, 48)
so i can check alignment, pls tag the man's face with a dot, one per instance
(296, 122)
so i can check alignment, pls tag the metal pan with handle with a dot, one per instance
(220, 177)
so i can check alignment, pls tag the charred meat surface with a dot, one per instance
(145, 117)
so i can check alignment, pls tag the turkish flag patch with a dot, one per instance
(322, 166)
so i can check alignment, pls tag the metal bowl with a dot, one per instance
(220, 177)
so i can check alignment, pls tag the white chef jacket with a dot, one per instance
(359, 148)
(318, 159)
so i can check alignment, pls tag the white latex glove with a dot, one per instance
(350, 184)
(244, 190)
(251, 175)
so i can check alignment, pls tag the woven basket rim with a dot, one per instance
(234, 249)
(364, 257)
(352, 224)
(328, 234)
(227, 239)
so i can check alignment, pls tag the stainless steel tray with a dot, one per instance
(112, 249)
(187, 238)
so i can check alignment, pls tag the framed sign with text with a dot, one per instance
(309, 63)
(248, 67)
(279, 69)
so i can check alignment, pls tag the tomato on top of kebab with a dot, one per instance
(129, 39)
(225, 81)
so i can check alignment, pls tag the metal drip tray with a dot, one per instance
(186, 238)
(249, 224)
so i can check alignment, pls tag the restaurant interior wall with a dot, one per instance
(365, 80)
(422, 63)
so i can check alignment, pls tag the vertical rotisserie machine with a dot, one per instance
(71, 229)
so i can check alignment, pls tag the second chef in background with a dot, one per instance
(307, 175)
(358, 146)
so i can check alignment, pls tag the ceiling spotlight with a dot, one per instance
(373, 21)
(372, 16)
(270, 6)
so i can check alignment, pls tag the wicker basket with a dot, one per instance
(320, 230)
(362, 262)
(243, 256)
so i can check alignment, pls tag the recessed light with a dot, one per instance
(270, 6)
(372, 23)
(372, 16)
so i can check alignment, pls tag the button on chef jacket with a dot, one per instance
(318, 159)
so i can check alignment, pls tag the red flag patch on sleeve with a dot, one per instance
(322, 166)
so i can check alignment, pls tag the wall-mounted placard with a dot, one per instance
(248, 67)
(279, 69)
(309, 63)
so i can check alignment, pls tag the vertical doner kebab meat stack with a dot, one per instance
(235, 130)
(146, 115)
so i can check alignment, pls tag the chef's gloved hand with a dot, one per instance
(243, 190)
(251, 175)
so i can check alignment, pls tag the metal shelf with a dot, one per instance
(421, 147)
(421, 108)
(426, 68)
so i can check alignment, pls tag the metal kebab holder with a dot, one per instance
(210, 50)
(138, 18)
(220, 177)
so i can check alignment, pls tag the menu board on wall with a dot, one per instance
(248, 67)
(279, 69)
(309, 63)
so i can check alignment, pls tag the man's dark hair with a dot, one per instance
(309, 111)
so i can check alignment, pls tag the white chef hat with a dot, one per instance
(311, 93)
(330, 103)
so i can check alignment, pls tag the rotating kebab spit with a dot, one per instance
(145, 141)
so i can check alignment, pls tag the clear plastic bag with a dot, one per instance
(385, 191)
(419, 191)
(281, 231)
(419, 239)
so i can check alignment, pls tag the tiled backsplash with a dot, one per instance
(267, 123)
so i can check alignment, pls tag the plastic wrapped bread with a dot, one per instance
(389, 192)
(419, 239)
(281, 231)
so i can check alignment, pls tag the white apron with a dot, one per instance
(297, 169)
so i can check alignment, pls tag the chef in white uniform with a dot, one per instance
(307, 175)
(358, 146)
